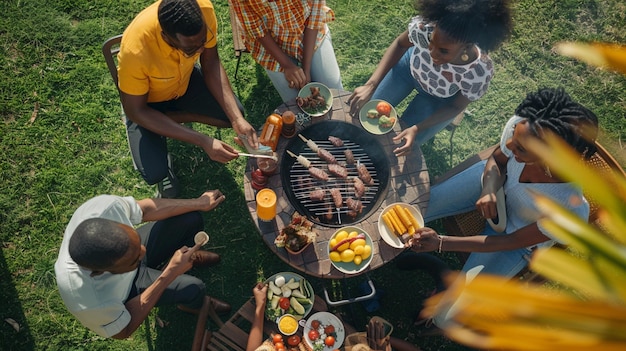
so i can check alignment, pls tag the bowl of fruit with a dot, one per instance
(378, 116)
(350, 250)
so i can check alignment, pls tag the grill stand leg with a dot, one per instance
(352, 299)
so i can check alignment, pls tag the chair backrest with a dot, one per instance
(238, 42)
(110, 48)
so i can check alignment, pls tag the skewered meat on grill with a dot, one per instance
(338, 170)
(349, 156)
(364, 174)
(317, 194)
(318, 174)
(326, 155)
(310, 143)
(359, 187)
(337, 198)
(355, 207)
(335, 141)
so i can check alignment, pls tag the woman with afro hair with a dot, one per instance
(443, 55)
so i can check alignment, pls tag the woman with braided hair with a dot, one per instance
(517, 170)
(443, 56)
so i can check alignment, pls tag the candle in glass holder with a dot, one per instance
(266, 204)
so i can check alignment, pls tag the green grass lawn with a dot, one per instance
(62, 143)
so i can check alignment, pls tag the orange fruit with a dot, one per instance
(383, 108)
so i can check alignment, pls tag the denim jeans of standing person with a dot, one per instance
(459, 195)
(398, 84)
(324, 69)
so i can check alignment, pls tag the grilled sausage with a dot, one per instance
(317, 194)
(364, 174)
(349, 156)
(337, 198)
(335, 141)
(359, 187)
(318, 174)
(355, 207)
(338, 170)
(326, 155)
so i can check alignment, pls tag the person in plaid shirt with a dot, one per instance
(290, 39)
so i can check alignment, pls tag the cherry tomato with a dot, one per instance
(329, 341)
(284, 303)
(315, 324)
(277, 338)
(329, 329)
(293, 340)
(279, 345)
(313, 335)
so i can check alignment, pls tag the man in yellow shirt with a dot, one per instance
(161, 86)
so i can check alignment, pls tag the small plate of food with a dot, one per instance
(288, 293)
(315, 99)
(324, 331)
(378, 116)
(398, 222)
(350, 250)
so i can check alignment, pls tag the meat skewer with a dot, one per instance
(349, 156)
(315, 172)
(359, 187)
(335, 141)
(355, 207)
(310, 143)
(317, 194)
(364, 174)
(337, 198)
(338, 170)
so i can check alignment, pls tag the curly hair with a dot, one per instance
(180, 17)
(554, 110)
(97, 243)
(486, 23)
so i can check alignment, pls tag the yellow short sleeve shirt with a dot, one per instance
(148, 65)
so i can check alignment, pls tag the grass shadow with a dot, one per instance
(11, 307)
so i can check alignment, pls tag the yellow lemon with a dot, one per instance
(332, 243)
(352, 235)
(358, 250)
(367, 251)
(357, 260)
(343, 247)
(341, 235)
(334, 256)
(357, 242)
(347, 256)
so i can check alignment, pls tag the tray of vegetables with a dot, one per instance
(288, 293)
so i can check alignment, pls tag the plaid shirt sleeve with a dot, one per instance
(317, 19)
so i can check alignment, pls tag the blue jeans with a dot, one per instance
(324, 69)
(398, 84)
(458, 195)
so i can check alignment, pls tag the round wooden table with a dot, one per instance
(408, 182)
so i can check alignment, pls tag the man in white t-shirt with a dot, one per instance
(110, 275)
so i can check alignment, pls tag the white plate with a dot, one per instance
(387, 234)
(324, 91)
(297, 277)
(325, 319)
(371, 124)
(350, 267)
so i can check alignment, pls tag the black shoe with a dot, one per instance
(168, 187)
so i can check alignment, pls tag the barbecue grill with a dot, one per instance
(298, 183)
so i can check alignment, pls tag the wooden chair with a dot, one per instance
(233, 335)
(471, 223)
(238, 42)
(110, 49)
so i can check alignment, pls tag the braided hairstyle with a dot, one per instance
(180, 17)
(486, 23)
(97, 243)
(554, 110)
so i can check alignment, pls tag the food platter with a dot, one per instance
(371, 124)
(386, 234)
(325, 319)
(305, 93)
(351, 267)
(304, 296)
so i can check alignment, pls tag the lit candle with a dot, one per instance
(266, 204)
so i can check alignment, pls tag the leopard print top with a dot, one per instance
(471, 79)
